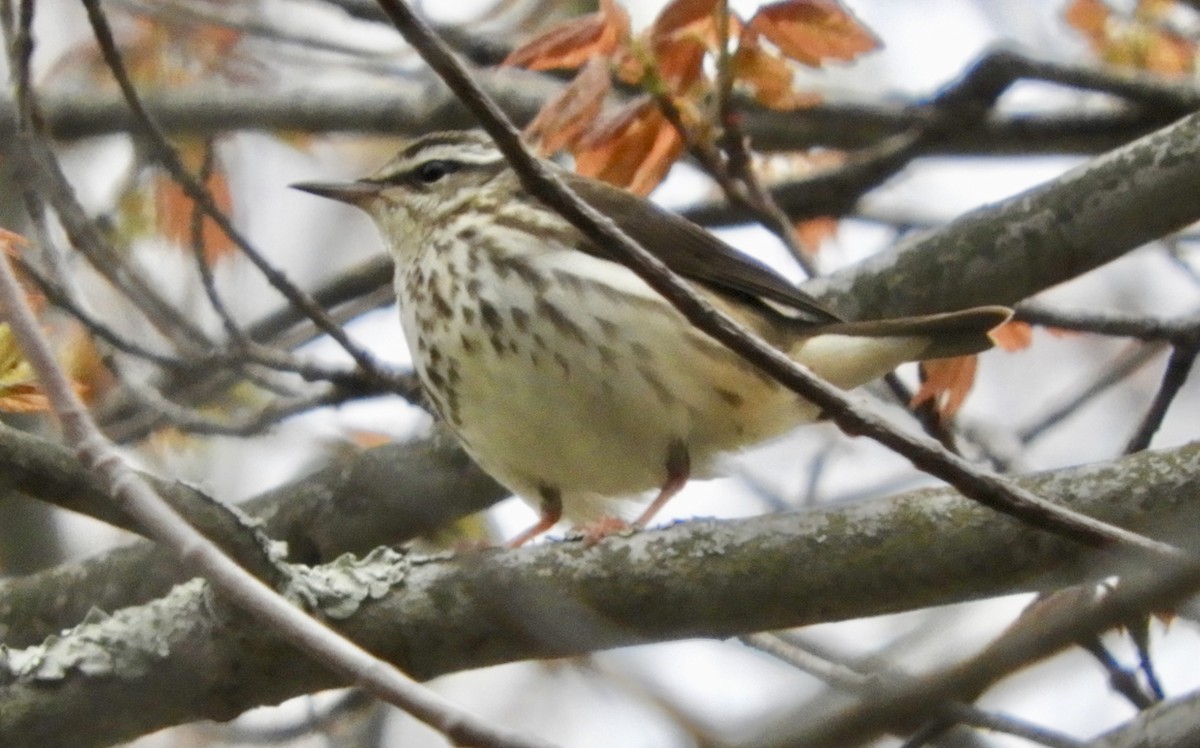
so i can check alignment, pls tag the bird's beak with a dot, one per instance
(354, 193)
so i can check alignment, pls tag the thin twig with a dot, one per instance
(1123, 368)
(167, 156)
(347, 383)
(1114, 324)
(1121, 680)
(39, 169)
(62, 299)
(200, 253)
(847, 679)
(280, 409)
(1183, 333)
(1036, 636)
(739, 186)
(1178, 368)
(137, 499)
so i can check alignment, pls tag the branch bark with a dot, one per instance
(410, 106)
(1037, 239)
(377, 497)
(443, 614)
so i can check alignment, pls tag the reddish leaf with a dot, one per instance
(23, 398)
(1012, 335)
(633, 148)
(19, 392)
(1089, 17)
(563, 119)
(570, 44)
(1167, 53)
(1154, 10)
(680, 62)
(368, 439)
(175, 211)
(813, 31)
(679, 15)
(11, 245)
(1143, 40)
(85, 365)
(945, 382)
(813, 232)
(682, 35)
(768, 76)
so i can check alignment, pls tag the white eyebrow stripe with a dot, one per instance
(468, 155)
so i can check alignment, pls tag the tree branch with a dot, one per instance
(378, 497)
(1037, 239)
(439, 615)
(410, 106)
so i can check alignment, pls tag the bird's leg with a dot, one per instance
(550, 512)
(679, 467)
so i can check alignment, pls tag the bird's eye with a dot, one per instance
(431, 171)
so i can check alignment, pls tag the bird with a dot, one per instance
(563, 374)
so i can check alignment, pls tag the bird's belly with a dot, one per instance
(584, 389)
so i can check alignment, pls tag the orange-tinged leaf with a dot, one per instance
(1089, 17)
(1154, 10)
(11, 242)
(11, 245)
(679, 16)
(570, 44)
(615, 122)
(680, 62)
(945, 383)
(85, 366)
(813, 232)
(19, 392)
(368, 439)
(1166, 53)
(1142, 40)
(563, 119)
(633, 148)
(813, 31)
(1013, 335)
(22, 398)
(167, 54)
(174, 210)
(19, 388)
(768, 76)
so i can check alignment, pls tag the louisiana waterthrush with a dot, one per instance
(564, 374)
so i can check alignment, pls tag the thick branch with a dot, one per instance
(923, 548)
(1174, 722)
(417, 105)
(1037, 239)
(377, 497)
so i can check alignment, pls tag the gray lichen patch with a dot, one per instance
(339, 588)
(125, 644)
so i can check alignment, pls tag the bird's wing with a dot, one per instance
(694, 253)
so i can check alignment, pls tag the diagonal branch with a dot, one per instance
(137, 499)
(989, 489)
(197, 192)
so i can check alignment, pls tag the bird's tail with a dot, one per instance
(851, 353)
(950, 334)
